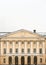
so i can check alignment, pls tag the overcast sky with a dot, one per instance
(22, 14)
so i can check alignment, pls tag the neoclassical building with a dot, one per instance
(22, 47)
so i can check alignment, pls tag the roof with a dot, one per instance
(3, 34)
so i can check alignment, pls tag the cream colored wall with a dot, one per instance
(31, 46)
(30, 38)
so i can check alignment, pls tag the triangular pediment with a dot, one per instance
(22, 33)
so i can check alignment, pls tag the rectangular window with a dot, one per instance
(40, 51)
(40, 60)
(34, 50)
(10, 50)
(22, 50)
(28, 50)
(16, 50)
(4, 50)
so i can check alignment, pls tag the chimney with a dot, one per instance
(34, 31)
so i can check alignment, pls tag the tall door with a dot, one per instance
(16, 60)
(35, 60)
(10, 60)
(29, 60)
(22, 60)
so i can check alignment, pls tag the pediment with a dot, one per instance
(22, 33)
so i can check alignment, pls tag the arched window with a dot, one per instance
(22, 60)
(28, 60)
(35, 60)
(4, 60)
(16, 60)
(10, 60)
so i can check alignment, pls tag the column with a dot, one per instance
(7, 60)
(13, 47)
(37, 48)
(25, 47)
(1, 47)
(43, 47)
(25, 59)
(7, 46)
(19, 60)
(32, 59)
(31, 47)
(13, 59)
(19, 47)
(38, 59)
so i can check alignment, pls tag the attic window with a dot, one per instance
(28, 42)
(22, 42)
(10, 42)
(16, 42)
(4, 42)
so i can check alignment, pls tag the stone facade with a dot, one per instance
(22, 47)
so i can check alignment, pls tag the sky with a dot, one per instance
(22, 14)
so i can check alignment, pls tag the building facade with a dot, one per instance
(22, 47)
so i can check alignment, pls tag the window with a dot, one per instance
(22, 50)
(34, 50)
(22, 42)
(16, 42)
(4, 61)
(16, 50)
(4, 42)
(40, 51)
(10, 50)
(40, 60)
(10, 43)
(4, 50)
(28, 50)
